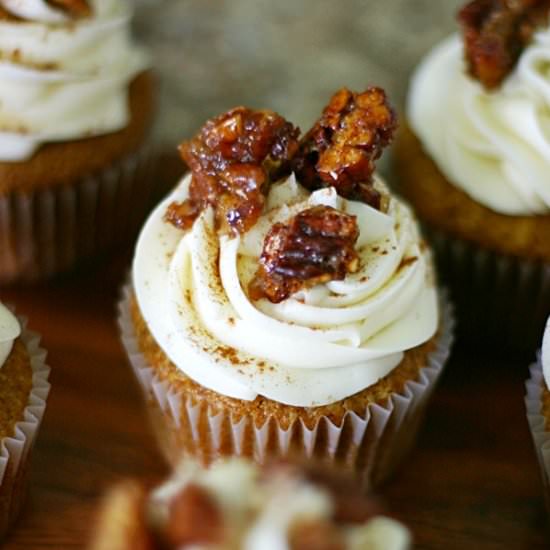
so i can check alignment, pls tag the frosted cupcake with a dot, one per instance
(236, 506)
(474, 165)
(282, 300)
(23, 391)
(75, 113)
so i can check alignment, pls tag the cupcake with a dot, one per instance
(234, 505)
(282, 300)
(76, 102)
(473, 162)
(23, 391)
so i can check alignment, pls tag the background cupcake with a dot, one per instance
(269, 316)
(76, 100)
(23, 391)
(474, 164)
(234, 504)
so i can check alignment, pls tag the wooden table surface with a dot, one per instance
(472, 481)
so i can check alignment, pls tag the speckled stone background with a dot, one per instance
(286, 55)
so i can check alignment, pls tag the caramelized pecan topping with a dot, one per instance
(75, 8)
(313, 247)
(496, 32)
(316, 535)
(194, 518)
(234, 158)
(342, 146)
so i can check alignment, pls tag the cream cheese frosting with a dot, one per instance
(495, 146)
(260, 513)
(317, 347)
(9, 331)
(63, 79)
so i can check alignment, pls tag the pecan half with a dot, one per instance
(313, 247)
(343, 145)
(234, 158)
(495, 34)
(316, 535)
(194, 518)
(75, 8)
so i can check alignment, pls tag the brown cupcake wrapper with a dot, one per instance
(53, 230)
(537, 425)
(15, 451)
(497, 297)
(371, 444)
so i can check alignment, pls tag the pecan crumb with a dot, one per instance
(233, 159)
(495, 34)
(194, 518)
(343, 145)
(313, 247)
(316, 535)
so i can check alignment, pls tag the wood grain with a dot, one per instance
(472, 482)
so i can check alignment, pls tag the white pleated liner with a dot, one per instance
(504, 298)
(541, 437)
(14, 450)
(354, 444)
(50, 231)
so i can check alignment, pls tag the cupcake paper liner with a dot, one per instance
(15, 451)
(541, 437)
(51, 231)
(371, 444)
(497, 297)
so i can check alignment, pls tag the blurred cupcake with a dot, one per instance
(76, 102)
(537, 402)
(273, 312)
(474, 164)
(235, 506)
(23, 391)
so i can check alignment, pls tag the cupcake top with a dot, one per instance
(9, 331)
(480, 105)
(234, 505)
(282, 267)
(65, 67)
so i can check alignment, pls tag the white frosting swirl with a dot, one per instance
(64, 79)
(495, 146)
(9, 331)
(260, 513)
(317, 347)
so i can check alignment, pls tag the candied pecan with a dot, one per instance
(316, 535)
(75, 8)
(233, 159)
(194, 518)
(313, 247)
(496, 32)
(343, 145)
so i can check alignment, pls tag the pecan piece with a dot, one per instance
(233, 159)
(343, 145)
(194, 518)
(495, 34)
(313, 247)
(74, 8)
(316, 535)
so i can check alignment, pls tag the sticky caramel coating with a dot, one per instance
(313, 247)
(343, 145)
(234, 158)
(495, 34)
